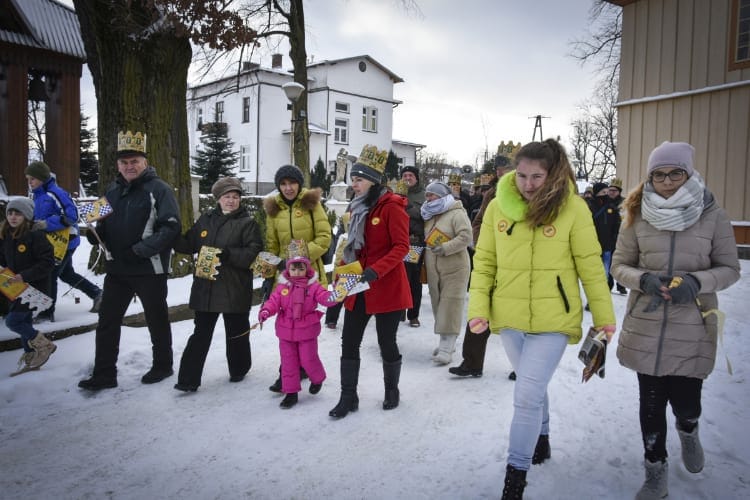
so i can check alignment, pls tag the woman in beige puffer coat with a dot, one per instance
(675, 250)
(447, 265)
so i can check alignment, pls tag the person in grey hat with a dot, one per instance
(230, 229)
(675, 251)
(26, 257)
(54, 207)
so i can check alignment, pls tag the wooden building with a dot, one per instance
(41, 57)
(685, 76)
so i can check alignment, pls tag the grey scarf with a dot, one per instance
(679, 211)
(356, 241)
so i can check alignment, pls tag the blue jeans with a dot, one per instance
(607, 261)
(534, 357)
(20, 322)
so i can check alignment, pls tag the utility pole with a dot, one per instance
(538, 125)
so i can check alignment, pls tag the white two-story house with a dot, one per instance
(350, 104)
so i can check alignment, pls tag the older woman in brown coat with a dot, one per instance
(675, 250)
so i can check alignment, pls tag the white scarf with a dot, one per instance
(437, 207)
(679, 211)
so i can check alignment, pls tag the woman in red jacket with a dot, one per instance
(379, 241)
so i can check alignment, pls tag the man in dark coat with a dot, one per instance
(138, 235)
(415, 197)
(606, 214)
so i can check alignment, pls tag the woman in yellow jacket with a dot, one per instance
(537, 241)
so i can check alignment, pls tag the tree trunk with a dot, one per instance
(298, 54)
(140, 71)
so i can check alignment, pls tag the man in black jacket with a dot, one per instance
(138, 236)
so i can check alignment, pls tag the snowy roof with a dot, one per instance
(42, 24)
(391, 74)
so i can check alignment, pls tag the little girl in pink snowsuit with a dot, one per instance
(295, 299)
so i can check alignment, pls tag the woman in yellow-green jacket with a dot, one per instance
(537, 241)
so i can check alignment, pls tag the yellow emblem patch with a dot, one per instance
(298, 213)
(21, 248)
(375, 221)
(285, 291)
(549, 231)
(502, 226)
(204, 233)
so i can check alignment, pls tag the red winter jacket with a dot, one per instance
(386, 245)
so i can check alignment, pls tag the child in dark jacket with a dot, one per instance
(26, 257)
(296, 300)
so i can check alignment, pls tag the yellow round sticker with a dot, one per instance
(375, 221)
(549, 231)
(285, 291)
(502, 226)
(21, 248)
(609, 210)
(204, 233)
(298, 213)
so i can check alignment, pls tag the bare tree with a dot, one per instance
(433, 167)
(595, 136)
(37, 128)
(601, 44)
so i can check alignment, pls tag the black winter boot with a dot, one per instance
(391, 374)
(515, 482)
(349, 379)
(542, 451)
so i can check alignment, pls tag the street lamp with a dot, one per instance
(293, 90)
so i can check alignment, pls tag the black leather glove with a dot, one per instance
(651, 284)
(266, 288)
(685, 292)
(369, 275)
(224, 255)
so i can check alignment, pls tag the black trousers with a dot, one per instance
(413, 272)
(117, 294)
(333, 313)
(355, 321)
(682, 393)
(237, 329)
(474, 348)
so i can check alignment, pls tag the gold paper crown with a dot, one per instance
(509, 149)
(297, 249)
(454, 179)
(373, 158)
(616, 183)
(127, 141)
(401, 188)
(476, 181)
(486, 179)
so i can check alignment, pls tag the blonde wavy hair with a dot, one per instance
(632, 204)
(546, 203)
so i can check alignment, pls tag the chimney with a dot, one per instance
(276, 61)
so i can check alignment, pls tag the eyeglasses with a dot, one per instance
(674, 176)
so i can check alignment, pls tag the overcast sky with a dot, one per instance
(474, 71)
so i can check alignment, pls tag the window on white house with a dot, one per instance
(342, 107)
(199, 125)
(244, 158)
(245, 109)
(341, 131)
(219, 112)
(370, 119)
(740, 35)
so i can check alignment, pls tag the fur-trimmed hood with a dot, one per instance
(308, 199)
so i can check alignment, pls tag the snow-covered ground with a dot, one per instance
(447, 440)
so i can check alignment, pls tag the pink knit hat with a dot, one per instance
(672, 154)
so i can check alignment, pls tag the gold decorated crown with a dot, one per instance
(509, 149)
(131, 143)
(454, 179)
(616, 183)
(401, 188)
(297, 249)
(374, 158)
